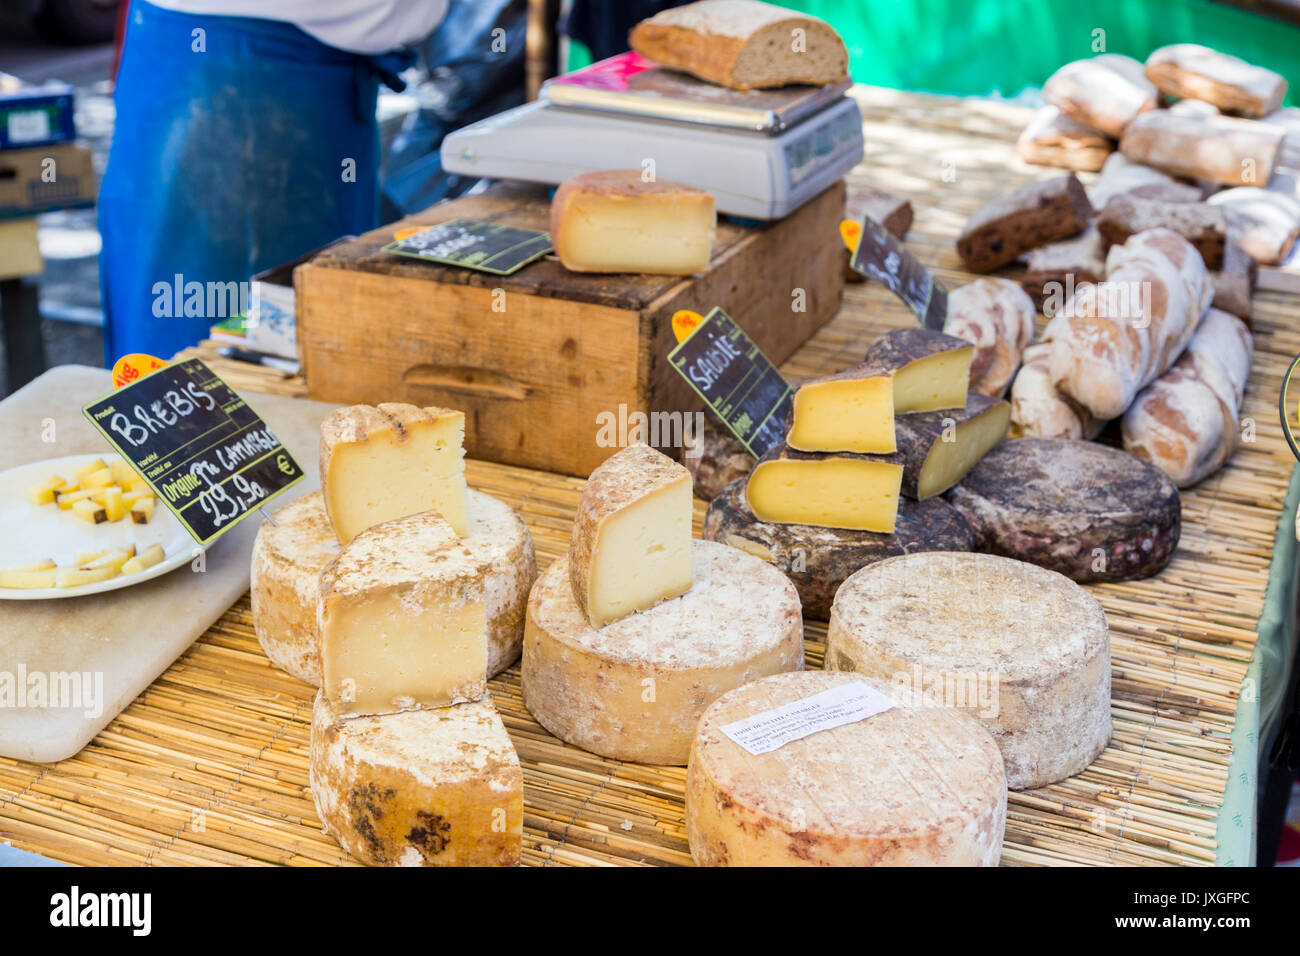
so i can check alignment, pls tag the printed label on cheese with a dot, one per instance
(772, 729)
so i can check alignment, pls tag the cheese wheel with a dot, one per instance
(635, 689)
(418, 788)
(1091, 512)
(818, 559)
(288, 557)
(1025, 650)
(911, 786)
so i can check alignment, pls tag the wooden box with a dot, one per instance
(534, 358)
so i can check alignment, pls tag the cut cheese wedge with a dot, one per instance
(631, 541)
(616, 221)
(834, 490)
(941, 447)
(931, 370)
(850, 411)
(378, 463)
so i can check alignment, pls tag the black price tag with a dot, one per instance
(475, 244)
(882, 257)
(736, 380)
(206, 455)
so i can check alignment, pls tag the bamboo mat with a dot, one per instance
(209, 765)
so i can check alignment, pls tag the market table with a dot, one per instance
(209, 765)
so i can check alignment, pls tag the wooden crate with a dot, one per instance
(535, 357)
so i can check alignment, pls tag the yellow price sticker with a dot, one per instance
(685, 322)
(130, 368)
(851, 233)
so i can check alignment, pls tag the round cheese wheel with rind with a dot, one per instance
(1024, 649)
(910, 786)
(634, 689)
(818, 559)
(1091, 512)
(438, 787)
(289, 555)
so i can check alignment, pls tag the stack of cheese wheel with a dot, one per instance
(639, 627)
(866, 455)
(821, 769)
(399, 592)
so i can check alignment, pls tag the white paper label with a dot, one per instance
(29, 126)
(771, 729)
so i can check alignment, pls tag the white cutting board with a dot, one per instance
(124, 639)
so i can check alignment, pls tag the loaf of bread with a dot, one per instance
(1039, 409)
(1190, 71)
(1288, 120)
(1120, 177)
(1105, 92)
(1222, 149)
(1055, 270)
(1187, 422)
(1265, 222)
(1205, 227)
(1028, 217)
(1234, 284)
(1053, 139)
(743, 44)
(1114, 338)
(997, 316)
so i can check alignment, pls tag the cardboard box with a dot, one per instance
(46, 178)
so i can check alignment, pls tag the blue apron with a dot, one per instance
(239, 144)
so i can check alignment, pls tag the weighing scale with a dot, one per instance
(761, 153)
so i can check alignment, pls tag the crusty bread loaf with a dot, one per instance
(1114, 338)
(743, 44)
(1265, 222)
(1187, 70)
(1105, 92)
(1186, 422)
(1234, 284)
(1204, 226)
(1039, 409)
(1053, 139)
(1222, 149)
(1120, 177)
(1288, 120)
(998, 317)
(1054, 271)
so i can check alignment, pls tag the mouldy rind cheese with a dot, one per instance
(403, 620)
(631, 542)
(931, 369)
(940, 447)
(421, 788)
(829, 489)
(1025, 650)
(1088, 511)
(387, 461)
(911, 786)
(635, 689)
(817, 559)
(288, 558)
(617, 221)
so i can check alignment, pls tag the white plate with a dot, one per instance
(29, 533)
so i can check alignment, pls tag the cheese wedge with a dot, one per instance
(378, 463)
(616, 221)
(402, 619)
(850, 411)
(931, 370)
(941, 447)
(831, 490)
(631, 541)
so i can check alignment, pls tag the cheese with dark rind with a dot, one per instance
(910, 786)
(635, 689)
(817, 559)
(852, 410)
(1024, 649)
(714, 456)
(939, 448)
(1089, 511)
(931, 369)
(830, 489)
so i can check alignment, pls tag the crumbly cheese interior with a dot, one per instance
(949, 461)
(382, 478)
(854, 414)
(658, 233)
(403, 648)
(934, 382)
(642, 554)
(832, 493)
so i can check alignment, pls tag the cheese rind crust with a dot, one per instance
(910, 786)
(288, 557)
(1029, 646)
(421, 788)
(634, 689)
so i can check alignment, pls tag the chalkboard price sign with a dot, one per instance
(205, 453)
(475, 244)
(737, 381)
(882, 257)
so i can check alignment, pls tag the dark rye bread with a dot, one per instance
(1025, 219)
(817, 559)
(1055, 270)
(1091, 512)
(1234, 284)
(1204, 226)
